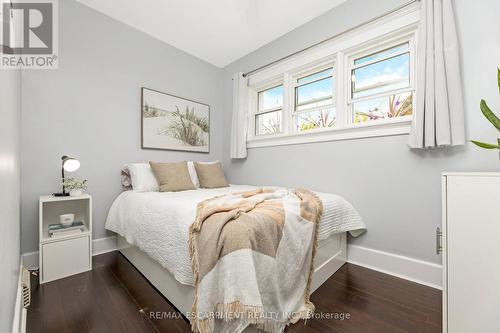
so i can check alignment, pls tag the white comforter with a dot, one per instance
(158, 222)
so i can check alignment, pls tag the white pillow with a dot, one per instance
(193, 174)
(143, 179)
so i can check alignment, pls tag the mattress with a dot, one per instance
(158, 222)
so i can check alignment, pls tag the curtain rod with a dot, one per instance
(258, 69)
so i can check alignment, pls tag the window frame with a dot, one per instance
(372, 49)
(339, 53)
(272, 110)
(295, 77)
(254, 108)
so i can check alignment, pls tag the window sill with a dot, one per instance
(386, 128)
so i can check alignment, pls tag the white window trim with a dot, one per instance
(253, 101)
(401, 25)
(293, 85)
(377, 46)
(365, 130)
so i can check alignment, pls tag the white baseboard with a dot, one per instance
(419, 271)
(30, 260)
(99, 246)
(103, 245)
(19, 320)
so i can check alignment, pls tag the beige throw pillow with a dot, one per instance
(210, 175)
(172, 177)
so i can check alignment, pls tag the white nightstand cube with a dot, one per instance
(66, 254)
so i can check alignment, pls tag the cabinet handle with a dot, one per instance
(439, 235)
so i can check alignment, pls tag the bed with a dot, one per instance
(153, 234)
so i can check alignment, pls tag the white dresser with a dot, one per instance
(471, 252)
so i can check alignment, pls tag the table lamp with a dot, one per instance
(68, 164)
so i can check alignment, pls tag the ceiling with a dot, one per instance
(217, 31)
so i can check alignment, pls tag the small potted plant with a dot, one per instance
(75, 186)
(492, 118)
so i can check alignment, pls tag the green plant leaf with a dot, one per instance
(486, 145)
(498, 76)
(492, 118)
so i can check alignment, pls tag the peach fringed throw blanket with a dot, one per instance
(252, 257)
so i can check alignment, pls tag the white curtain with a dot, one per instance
(439, 115)
(240, 114)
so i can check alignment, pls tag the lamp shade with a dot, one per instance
(70, 164)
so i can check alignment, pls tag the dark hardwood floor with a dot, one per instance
(115, 297)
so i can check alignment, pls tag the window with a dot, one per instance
(380, 85)
(359, 85)
(314, 104)
(268, 116)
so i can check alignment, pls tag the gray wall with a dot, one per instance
(90, 108)
(396, 190)
(10, 186)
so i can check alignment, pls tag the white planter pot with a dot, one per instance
(76, 193)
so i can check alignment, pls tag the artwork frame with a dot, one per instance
(170, 122)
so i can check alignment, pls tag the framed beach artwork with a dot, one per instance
(174, 123)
